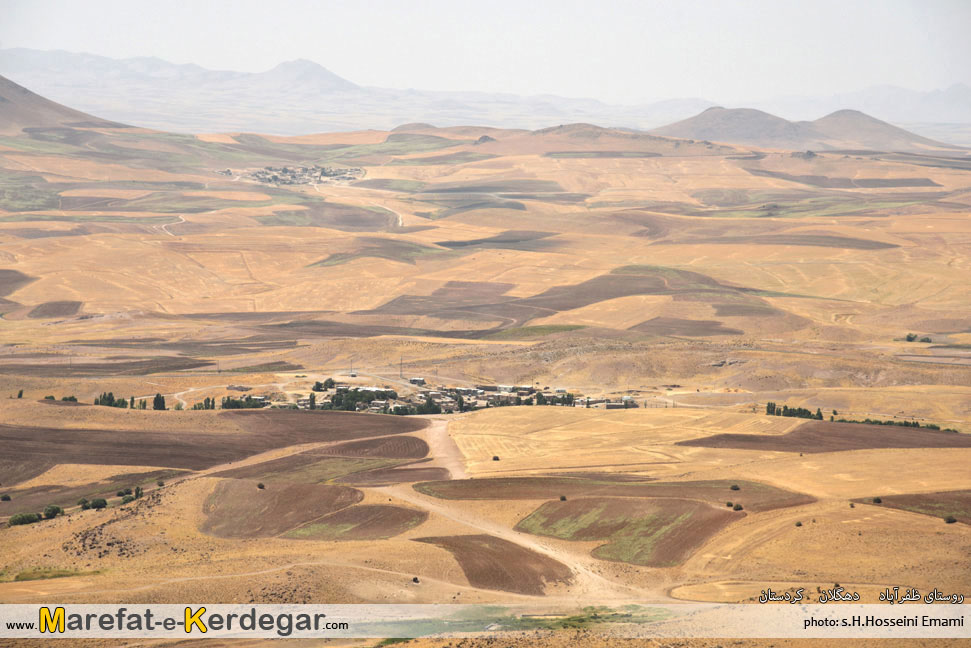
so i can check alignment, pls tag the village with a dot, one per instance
(299, 175)
(445, 399)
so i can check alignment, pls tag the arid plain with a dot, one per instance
(699, 280)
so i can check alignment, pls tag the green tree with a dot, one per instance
(99, 503)
(131, 403)
(20, 394)
(159, 402)
(313, 401)
(51, 511)
(329, 383)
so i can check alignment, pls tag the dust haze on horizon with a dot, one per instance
(618, 52)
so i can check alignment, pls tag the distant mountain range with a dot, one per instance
(301, 97)
(843, 129)
(20, 108)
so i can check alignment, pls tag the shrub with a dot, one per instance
(120, 493)
(261, 486)
(877, 500)
(49, 398)
(127, 491)
(98, 504)
(737, 507)
(52, 511)
(798, 524)
(926, 339)
(85, 505)
(23, 518)
(736, 487)
(729, 504)
(4, 498)
(852, 505)
(562, 498)
(495, 457)
(160, 483)
(950, 519)
(127, 498)
(83, 501)
(911, 337)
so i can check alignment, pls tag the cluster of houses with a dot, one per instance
(301, 175)
(451, 399)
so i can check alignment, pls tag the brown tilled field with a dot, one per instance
(239, 509)
(823, 436)
(947, 505)
(650, 532)
(363, 522)
(755, 496)
(496, 564)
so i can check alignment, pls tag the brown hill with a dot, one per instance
(844, 129)
(20, 108)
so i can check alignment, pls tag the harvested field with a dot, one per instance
(493, 563)
(686, 327)
(364, 522)
(55, 309)
(654, 533)
(824, 436)
(399, 447)
(753, 495)
(33, 499)
(238, 509)
(940, 505)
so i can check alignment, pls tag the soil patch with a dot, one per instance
(238, 509)
(55, 309)
(398, 447)
(825, 436)
(366, 522)
(940, 505)
(496, 564)
(753, 496)
(654, 533)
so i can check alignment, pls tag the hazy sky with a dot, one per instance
(618, 51)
